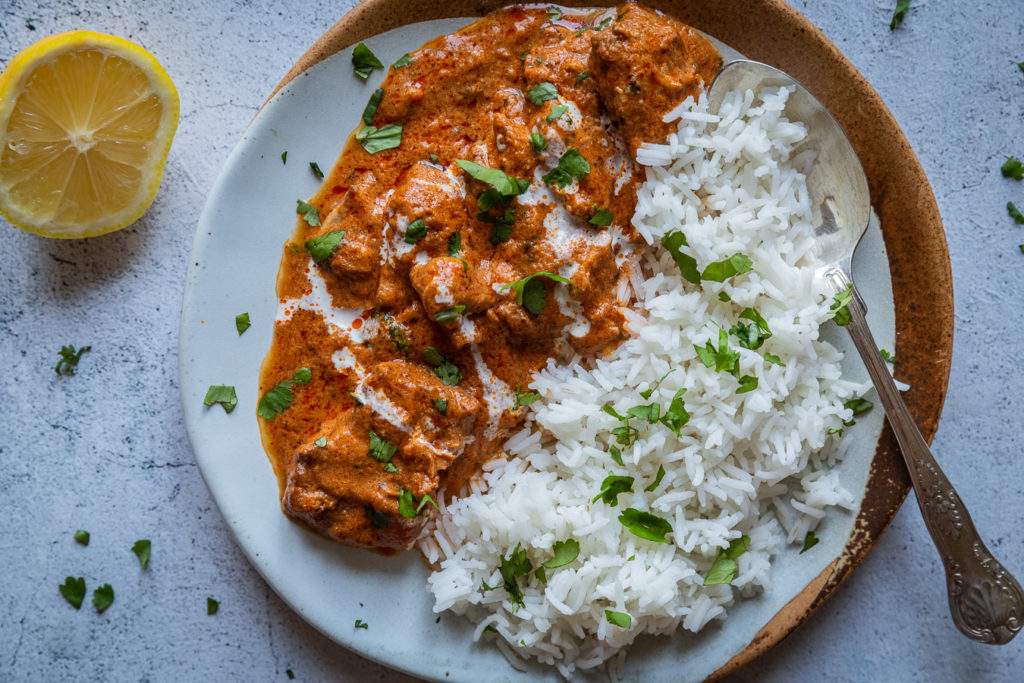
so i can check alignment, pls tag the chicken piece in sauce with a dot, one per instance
(417, 344)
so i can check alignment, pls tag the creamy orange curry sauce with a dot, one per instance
(405, 349)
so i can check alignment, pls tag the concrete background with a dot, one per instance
(105, 450)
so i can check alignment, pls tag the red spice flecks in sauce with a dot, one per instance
(364, 319)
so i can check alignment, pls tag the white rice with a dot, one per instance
(751, 464)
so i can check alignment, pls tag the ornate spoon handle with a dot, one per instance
(986, 601)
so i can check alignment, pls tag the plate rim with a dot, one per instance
(920, 269)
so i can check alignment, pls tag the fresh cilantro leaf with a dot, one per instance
(626, 434)
(277, 400)
(687, 264)
(676, 416)
(538, 142)
(612, 486)
(724, 297)
(556, 113)
(899, 13)
(212, 606)
(320, 442)
(604, 24)
(651, 413)
(721, 358)
(103, 597)
(580, 77)
(616, 455)
(570, 165)
(308, 212)
(404, 60)
(455, 244)
(1013, 168)
(775, 360)
(886, 356)
(284, 157)
(720, 271)
(315, 168)
(364, 61)
(375, 139)
(647, 393)
(371, 106)
(501, 226)
(810, 540)
(747, 383)
(242, 323)
(530, 293)
(407, 504)
(73, 590)
(505, 185)
(290, 674)
(485, 588)
(1014, 212)
(541, 93)
(645, 525)
(82, 537)
(450, 315)
(441, 405)
(837, 431)
(614, 413)
(416, 231)
(762, 324)
(433, 157)
(362, 624)
(525, 399)
(322, 246)
(424, 500)
(69, 359)
(302, 376)
(380, 449)
(142, 548)
(390, 468)
(445, 370)
(1020, 65)
(490, 629)
(602, 217)
(222, 394)
(378, 520)
(724, 568)
(564, 553)
(840, 306)
(657, 479)
(541, 574)
(554, 14)
(859, 406)
(516, 564)
(620, 619)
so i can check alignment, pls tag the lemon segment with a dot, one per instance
(86, 122)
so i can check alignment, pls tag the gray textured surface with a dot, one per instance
(105, 450)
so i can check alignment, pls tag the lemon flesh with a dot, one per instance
(86, 122)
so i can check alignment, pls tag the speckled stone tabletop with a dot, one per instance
(105, 450)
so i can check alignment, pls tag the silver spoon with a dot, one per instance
(986, 601)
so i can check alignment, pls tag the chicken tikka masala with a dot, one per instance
(469, 232)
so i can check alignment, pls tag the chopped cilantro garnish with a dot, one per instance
(82, 537)
(838, 431)
(516, 564)
(375, 139)
(302, 376)
(899, 13)
(390, 468)
(1014, 212)
(525, 399)
(308, 212)
(603, 217)
(320, 441)
(840, 303)
(397, 335)
(449, 315)
(687, 264)
(570, 165)
(556, 113)
(657, 479)
(1013, 168)
(772, 358)
(616, 455)
(747, 383)
(455, 244)
(646, 393)
(280, 397)
(554, 14)
(212, 606)
(69, 359)
(380, 449)
(371, 106)
(538, 142)
(612, 486)
(142, 548)
(404, 60)
(651, 412)
(859, 406)
(433, 157)
(751, 336)
(222, 394)
(541, 93)
(886, 356)
(242, 323)
(441, 405)
(506, 186)
(810, 540)
(564, 553)
(724, 568)
(364, 61)
(284, 157)
(620, 619)
(604, 24)
(501, 226)
(322, 246)
(290, 674)
(530, 293)
(724, 297)
(445, 370)
(579, 78)
(415, 231)
(645, 525)
(720, 271)
(407, 504)
(721, 358)
(73, 590)
(315, 168)
(103, 597)
(378, 520)
(676, 416)
(362, 624)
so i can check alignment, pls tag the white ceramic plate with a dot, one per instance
(249, 215)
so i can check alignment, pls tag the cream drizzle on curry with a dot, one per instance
(418, 348)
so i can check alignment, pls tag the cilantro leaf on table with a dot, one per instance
(73, 590)
(142, 549)
(364, 61)
(222, 394)
(69, 359)
(103, 597)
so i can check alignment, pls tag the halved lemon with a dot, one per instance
(86, 122)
